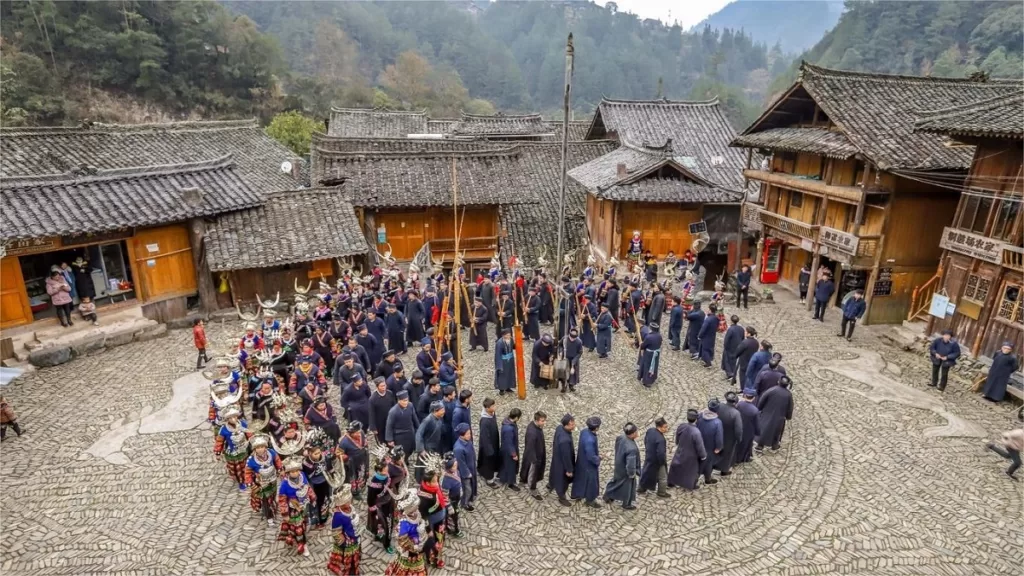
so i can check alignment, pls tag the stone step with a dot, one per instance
(59, 351)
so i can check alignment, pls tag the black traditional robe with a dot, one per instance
(547, 304)
(706, 338)
(744, 353)
(656, 308)
(623, 484)
(1003, 366)
(542, 354)
(686, 462)
(504, 365)
(655, 456)
(504, 313)
(604, 324)
(478, 337)
(380, 405)
(730, 350)
(586, 481)
(750, 416)
(415, 316)
(732, 433)
(396, 331)
(563, 461)
(573, 349)
(650, 356)
(534, 454)
(588, 327)
(401, 427)
(509, 453)
(692, 343)
(776, 406)
(533, 317)
(489, 453)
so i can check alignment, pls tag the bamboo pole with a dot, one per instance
(569, 56)
(457, 282)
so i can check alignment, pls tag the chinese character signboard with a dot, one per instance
(883, 284)
(839, 240)
(32, 246)
(698, 227)
(974, 245)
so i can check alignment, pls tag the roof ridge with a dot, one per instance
(225, 161)
(503, 116)
(983, 104)
(834, 72)
(662, 101)
(105, 128)
(510, 152)
(338, 109)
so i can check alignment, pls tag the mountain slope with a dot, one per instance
(795, 25)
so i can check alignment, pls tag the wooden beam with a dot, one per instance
(847, 194)
(859, 217)
(204, 278)
(869, 287)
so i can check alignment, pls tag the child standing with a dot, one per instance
(87, 308)
(7, 418)
(199, 338)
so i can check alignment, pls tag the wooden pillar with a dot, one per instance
(859, 217)
(819, 219)
(204, 278)
(743, 207)
(869, 287)
(616, 239)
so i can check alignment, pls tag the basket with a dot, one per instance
(547, 371)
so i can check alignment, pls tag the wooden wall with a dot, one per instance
(663, 227)
(14, 304)
(408, 231)
(246, 284)
(167, 309)
(601, 224)
(920, 212)
(162, 263)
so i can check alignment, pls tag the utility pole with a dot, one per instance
(569, 55)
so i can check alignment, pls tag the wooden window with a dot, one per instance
(796, 199)
(975, 214)
(977, 288)
(1009, 305)
(1006, 217)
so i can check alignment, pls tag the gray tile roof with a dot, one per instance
(669, 190)
(577, 130)
(41, 151)
(291, 226)
(441, 125)
(997, 117)
(327, 152)
(602, 172)
(501, 125)
(830, 143)
(375, 123)
(699, 133)
(421, 179)
(876, 112)
(534, 227)
(105, 200)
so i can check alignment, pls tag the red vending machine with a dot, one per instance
(771, 261)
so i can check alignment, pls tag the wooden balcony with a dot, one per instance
(788, 225)
(1013, 257)
(752, 217)
(848, 194)
(474, 248)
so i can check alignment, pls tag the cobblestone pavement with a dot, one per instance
(866, 482)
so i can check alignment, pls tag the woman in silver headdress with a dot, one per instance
(293, 497)
(232, 442)
(261, 472)
(414, 544)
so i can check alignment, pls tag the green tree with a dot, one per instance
(294, 130)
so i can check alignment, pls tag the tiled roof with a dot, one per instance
(326, 152)
(421, 179)
(577, 130)
(292, 226)
(38, 206)
(876, 112)
(668, 190)
(699, 133)
(42, 151)
(602, 172)
(997, 117)
(534, 227)
(375, 123)
(441, 125)
(830, 143)
(501, 125)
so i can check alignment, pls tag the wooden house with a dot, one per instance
(982, 258)
(850, 186)
(292, 236)
(134, 201)
(672, 174)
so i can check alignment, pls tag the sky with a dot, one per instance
(687, 12)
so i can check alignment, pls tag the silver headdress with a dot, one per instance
(228, 400)
(259, 440)
(293, 464)
(248, 317)
(267, 304)
(231, 412)
(289, 447)
(430, 461)
(409, 500)
(299, 289)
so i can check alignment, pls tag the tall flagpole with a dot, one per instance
(569, 55)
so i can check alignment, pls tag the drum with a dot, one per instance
(561, 369)
(547, 371)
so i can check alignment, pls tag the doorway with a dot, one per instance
(108, 273)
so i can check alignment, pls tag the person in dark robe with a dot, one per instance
(534, 455)
(402, 423)
(478, 336)
(543, 353)
(432, 394)
(566, 311)
(696, 319)
(731, 347)
(387, 365)
(732, 432)
(573, 349)
(466, 294)
(395, 323)
(462, 413)
(943, 353)
(415, 387)
(744, 352)
(759, 360)
(533, 314)
(563, 460)
(358, 351)
(612, 297)
(586, 481)
(510, 450)
(776, 406)
(426, 360)
(769, 376)
(379, 329)
(654, 475)
(588, 324)
(321, 414)
(547, 301)
(623, 484)
(382, 400)
(323, 345)
(604, 324)
(415, 317)
(448, 435)
(675, 323)
(635, 304)
(713, 437)
(750, 416)
(489, 454)
(503, 312)
(355, 399)
(430, 435)
(448, 371)
(505, 364)
(1004, 364)
(488, 297)
(374, 347)
(465, 455)
(430, 303)
(650, 355)
(82, 273)
(657, 305)
(706, 336)
(690, 454)
(355, 457)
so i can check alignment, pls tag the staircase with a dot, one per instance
(921, 300)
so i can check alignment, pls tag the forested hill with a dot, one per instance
(795, 25)
(923, 38)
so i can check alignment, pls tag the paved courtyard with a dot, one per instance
(878, 474)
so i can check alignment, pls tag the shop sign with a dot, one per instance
(839, 240)
(32, 246)
(98, 238)
(973, 245)
(883, 284)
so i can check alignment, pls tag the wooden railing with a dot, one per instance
(789, 225)
(921, 299)
(752, 216)
(867, 246)
(1013, 257)
(439, 245)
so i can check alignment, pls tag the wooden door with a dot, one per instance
(405, 231)
(14, 306)
(163, 263)
(662, 228)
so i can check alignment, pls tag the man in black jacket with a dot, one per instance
(744, 352)
(534, 459)
(489, 455)
(742, 286)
